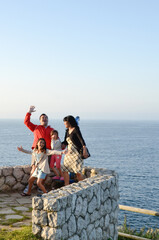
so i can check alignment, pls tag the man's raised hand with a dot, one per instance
(32, 109)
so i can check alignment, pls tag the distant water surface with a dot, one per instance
(130, 148)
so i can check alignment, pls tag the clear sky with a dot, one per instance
(98, 59)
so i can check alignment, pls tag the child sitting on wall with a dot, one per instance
(56, 158)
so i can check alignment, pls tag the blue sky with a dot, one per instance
(96, 59)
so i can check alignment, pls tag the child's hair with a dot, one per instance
(44, 148)
(54, 131)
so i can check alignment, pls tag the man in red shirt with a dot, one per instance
(40, 131)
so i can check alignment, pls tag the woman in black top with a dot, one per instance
(75, 142)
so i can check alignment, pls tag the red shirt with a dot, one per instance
(39, 131)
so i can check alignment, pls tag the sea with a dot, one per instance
(131, 148)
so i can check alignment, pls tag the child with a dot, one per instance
(39, 164)
(56, 145)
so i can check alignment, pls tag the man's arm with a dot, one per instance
(27, 122)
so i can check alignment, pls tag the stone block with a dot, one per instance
(91, 232)
(7, 171)
(68, 213)
(92, 205)
(39, 217)
(113, 181)
(102, 222)
(73, 201)
(111, 215)
(78, 207)
(107, 219)
(26, 169)
(98, 199)
(107, 205)
(112, 191)
(75, 237)
(18, 173)
(101, 195)
(84, 235)
(89, 193)
(37, 203)
(104, 185)
(72, 226)
(111, 229)
(94, 216)
(10, 180)
(65, 231)
(103, 210)
(51, 233)
(116, 213)
(81, 224)
(5, 188)
(106, 235)
(99, 233)
(87, 219)
(56, 219)
(51, 204)
(36, 229)
(84, 207)
(114, 204)
(18, 186)
(25, 179)
(105, 195)
(109, 182)
(2, 180)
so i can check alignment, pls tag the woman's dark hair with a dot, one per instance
(44, 148)
(71, 120)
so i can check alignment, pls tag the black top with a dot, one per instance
(76, 138)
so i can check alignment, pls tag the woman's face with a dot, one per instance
(41, 144)
(67, 125)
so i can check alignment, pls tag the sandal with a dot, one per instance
(25, 194)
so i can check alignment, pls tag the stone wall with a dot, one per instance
(16, 178)
(87, 210)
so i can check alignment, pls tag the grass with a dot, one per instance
(149, 234)
(9, 222)
(25, 233)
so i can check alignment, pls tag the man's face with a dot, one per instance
(44, 120)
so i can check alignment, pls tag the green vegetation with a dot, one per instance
(9, 222)
(24, 234)
(149, 234)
